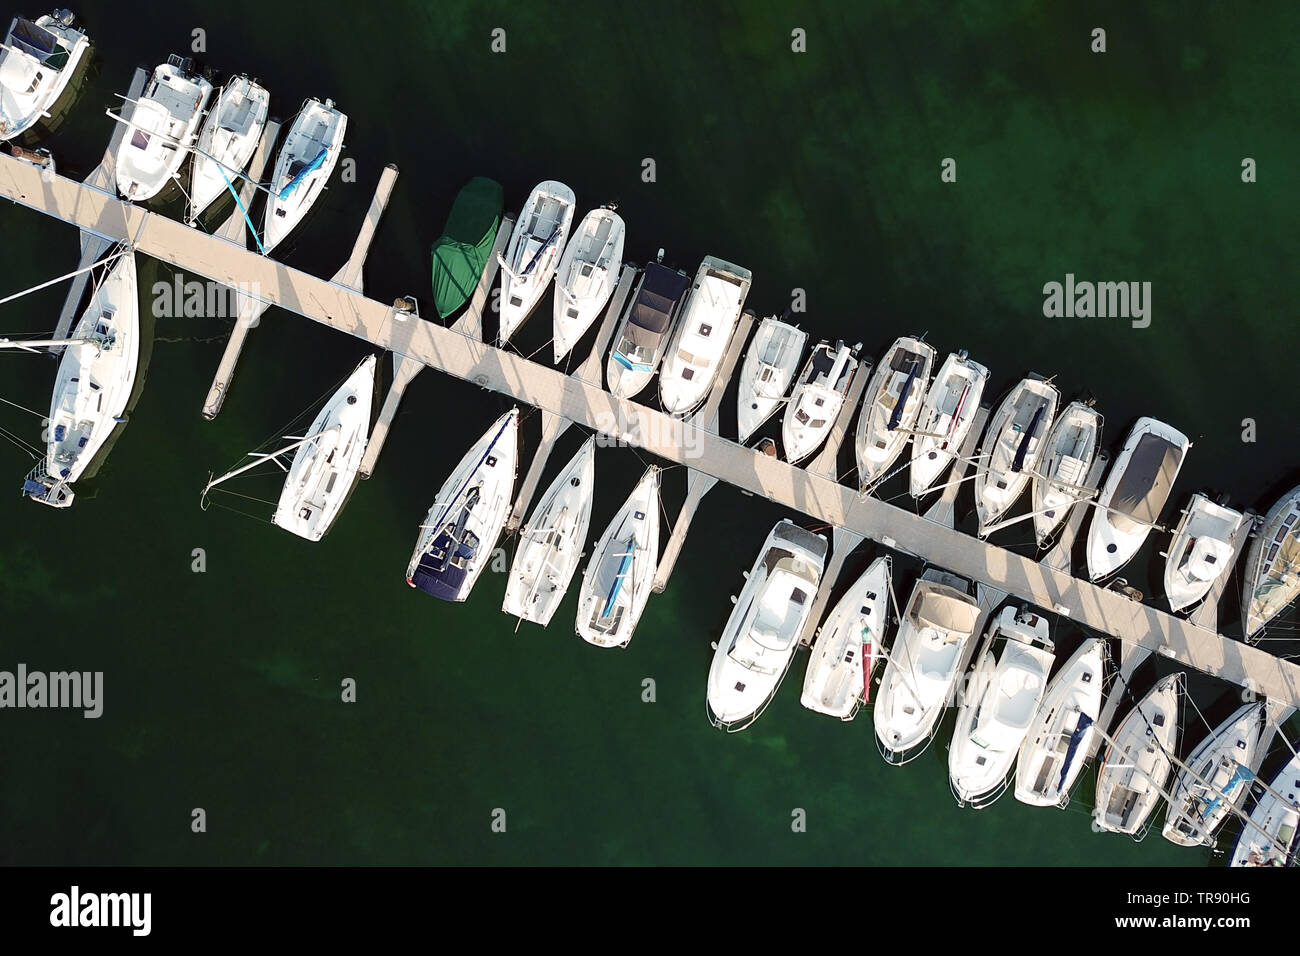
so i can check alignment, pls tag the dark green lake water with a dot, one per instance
(818, 171)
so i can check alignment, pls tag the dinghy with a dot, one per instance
(1272, 565)
(462, 251)
(587, 275)
(616, 584)
(226, 145)
(1061, 737)
(1013, 446)
(1060, 482)
(891, 408)
(163, 126)
(817, 399)
(307, 158)
(703, 333)
(533, 253)
(765, 376)
(945, 419)
(1133, 771)
(1268, 838)
(1201, 553)
(1215, 778)
(37, 61)
(644, 328)
(848, 647)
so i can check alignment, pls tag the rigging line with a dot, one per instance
(276, 436)
(25, 446)
(237, 494)
(56, 281)
(22, 408)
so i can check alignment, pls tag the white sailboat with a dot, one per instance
(945, 419)
(1268, 838)
(1215, 778)
(759, 640)
(817, 399)
(1061, 736)
(1059, 484)
(1134, 494)
(163, 126)
(1013, 446)
(616, 583)
(37, 61)
(848, 646)
(1202, 551)
(551, 541)
(999, 706)
(644, 328)
(924, 664)
(891, 407)
(227, 142)
(767, 372)
(460, 530)
(303, 167)
(1272, 566)
(533, 255)
(703, 333)
(587, 275)
(1133, 771)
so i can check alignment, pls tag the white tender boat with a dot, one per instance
(308, 157)
(458, 534)
(37, 61)
(817, 399)
(766, 375)
(163, 125)
(758, 643)
(704, 331)
(848, 646)
(1272, 567)
(1013, 446)
(998, 706)
(533, 254)
(1216, 777)
(227, 142)
(324, 469)
(1133, 771)
(1269, 838)
(1134, 494)
(892, 406)
(1062, 734)
(1061, 480)
(587, 275)
(945, 420)
(1202, 551)
(551, 541)
(644, 329)
(620, 573)
(924, 664)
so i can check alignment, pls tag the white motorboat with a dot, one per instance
(163, 126)
(891, 407)
(551, 541)
(644, 329)
(620, 573)
(1061, 480)
(303, 167)
(458, 534)
(1269, 838)
(848, 646)
(1062, 734)
(1215, 778)
(1272, 567)
(923, 665)
(1135, 767)
(945, 420)
(37, 61)
(227, 142)
(1202, 551)
(761, 635)
(1134, 494)
(533, 254)
(817, 399)
(587, 275)
(999, 705)
(766, 375)
(1013, 446)
(325, 467)
(703, 332)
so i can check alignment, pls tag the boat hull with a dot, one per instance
(617, 581)
(306, 161)
(533, 253)
(586, 277)
(848, 647)
(228, 140)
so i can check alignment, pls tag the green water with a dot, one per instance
(817, 171)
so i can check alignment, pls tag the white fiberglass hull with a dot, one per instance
(163, 125)
(849, 646)
(945, 420)
(1071, 448)
(1201, 553)
(1269, 838)
(533, 253)
(1222, 766)
(1013, 446)
(1058, 744)
(308, 157)
(1271, 581)
(817, 399)
(702, 336)
(31, 79)
(891, 407)
(617, 581)
(229, 138)
(1135, 767)
(586, 276)
(770, 365)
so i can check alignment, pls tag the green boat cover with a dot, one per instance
(467, 240)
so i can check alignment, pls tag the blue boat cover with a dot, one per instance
(897, 417)
(302, 174)
(619, 578)
(1239, 776)
(1019, 463)
(1076, 738)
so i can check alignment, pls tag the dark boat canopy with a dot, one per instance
(661, 289)
(39, 42)
(466, 243)
(1144, 487)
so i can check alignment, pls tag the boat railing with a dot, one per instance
(39, 486)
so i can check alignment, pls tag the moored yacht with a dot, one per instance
(1202, 551)
(1272, 569)
(587, 275)
(533, 253)
(848, 646)
(761, 635)
(817, 399)
(945, 420)
(1269, 838)
(227, 142)
(620, 572)
(1132, 774)
(37, 61)
(644, 328)
(923, 665)
(1013, 446)
(163, 125)
(551, 541)
(1060, 482)
(460, 530)
(766, 375)
(1134, 494)
(891, 407)
(308, 157)
(1215, 778)
(999, 706)
(1062, 734)
(703, 332)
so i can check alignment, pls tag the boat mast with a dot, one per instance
(261, 458)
